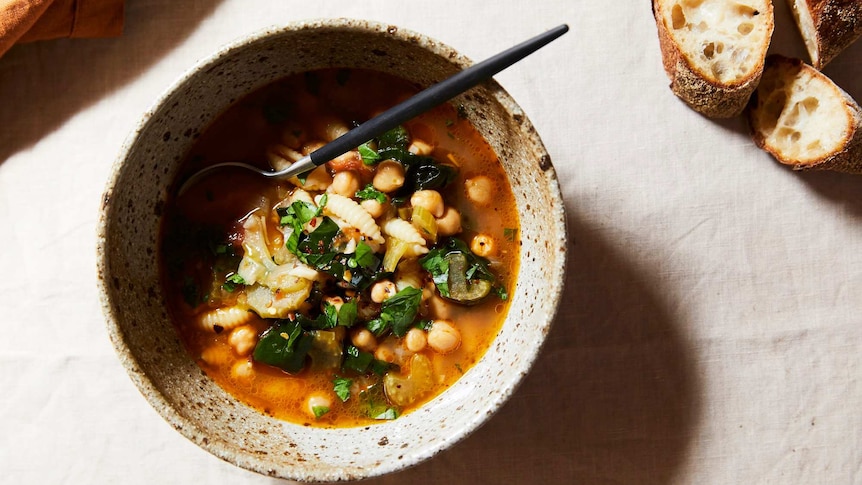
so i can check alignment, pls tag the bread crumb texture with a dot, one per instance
(713, 50)
(803, 119)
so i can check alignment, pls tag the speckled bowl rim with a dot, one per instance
(160, 403)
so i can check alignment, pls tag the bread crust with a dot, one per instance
(689, 83)
(837, 24)
(846, 156)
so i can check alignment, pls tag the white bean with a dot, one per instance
(443, 336)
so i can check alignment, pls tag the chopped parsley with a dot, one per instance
(319, 410)
(368, 154)
(232, 282)
(341, 386)
(369, 192)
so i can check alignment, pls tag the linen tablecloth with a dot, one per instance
(711, 325)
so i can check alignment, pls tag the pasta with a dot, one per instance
(353, 214)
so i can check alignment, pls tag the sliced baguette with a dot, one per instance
(804, 120)
(713, 50)
(827, 26)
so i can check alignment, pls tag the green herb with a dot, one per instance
(298, 214)
(501, 292)
(510, 233)
(319, 410)
(458, 366)
(284, 346)
(377, 326)
(397, 313)
(330, 314)
(368, 154)
(364, 256)
(424, 324)
(380, 367)
(369, 192)
(231, 282)
(390, 413)
(449, 122)
(375, 403)
(356, 360)
(435, 263)
(347, 314)
(341, 386)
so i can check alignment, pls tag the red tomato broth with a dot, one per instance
(223, 199)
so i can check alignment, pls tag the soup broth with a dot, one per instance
(358, 292)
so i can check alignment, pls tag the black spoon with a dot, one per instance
(398, 114)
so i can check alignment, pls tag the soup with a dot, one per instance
(357, 292)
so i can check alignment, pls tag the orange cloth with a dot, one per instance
(29, 20)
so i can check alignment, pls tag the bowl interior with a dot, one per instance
(134, 305)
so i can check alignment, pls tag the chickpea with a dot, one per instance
(373, 207)
(389, 176)
(335, 128)
(364, 340)
(335, 301)
(450, 223)
(242, 370)
(483, 245)
(479, 189)
(345, 183)
(318, 401)
(429, 199)
(419, 147)
(439, 307)
(243, 339)
(386, 350)
(382, 290)
(443, 336)
(318, 179)
(415, 340)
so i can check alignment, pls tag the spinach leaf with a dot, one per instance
(397, 313)
(397, 137)
(356, 360)
(347, 314)
(284, 346)
(425, 173)
(402, 309)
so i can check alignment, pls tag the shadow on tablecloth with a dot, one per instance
(613, 399)
(99, 67)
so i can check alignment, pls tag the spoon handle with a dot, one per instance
(432, 96)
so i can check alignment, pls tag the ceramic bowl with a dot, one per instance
(134, 305)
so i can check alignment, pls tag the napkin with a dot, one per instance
(30, 20)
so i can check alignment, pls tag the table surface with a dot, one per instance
(710, 331)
